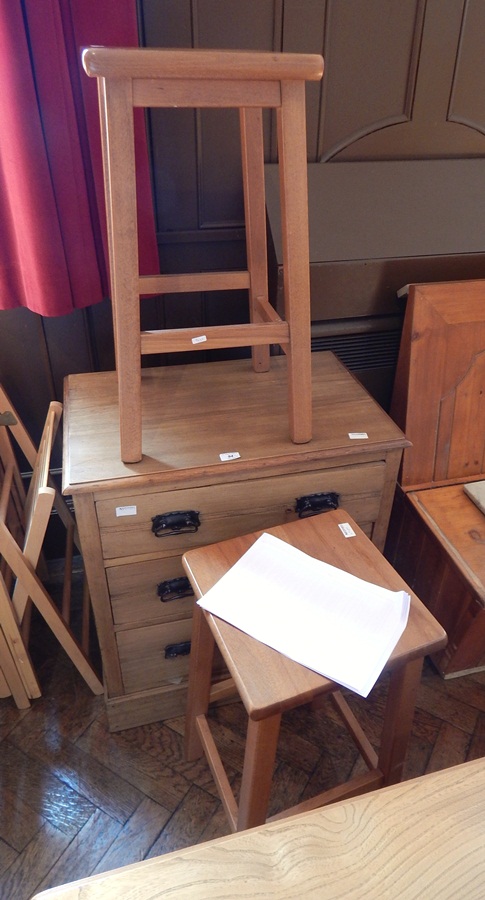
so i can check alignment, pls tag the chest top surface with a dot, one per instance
(194, 414)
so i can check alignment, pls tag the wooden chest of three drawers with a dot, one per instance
(217, 462)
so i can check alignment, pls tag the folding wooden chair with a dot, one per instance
(17, 676)
(20, 552)
(11, 683)
(249, 82)
(20, 503)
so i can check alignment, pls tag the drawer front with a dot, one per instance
(226, 510)
(140, 592)
(143, 660)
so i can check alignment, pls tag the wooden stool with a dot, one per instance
(269, 684)
(249, 82)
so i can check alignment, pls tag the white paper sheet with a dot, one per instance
(332, 622)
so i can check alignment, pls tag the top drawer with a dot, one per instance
(226, 510)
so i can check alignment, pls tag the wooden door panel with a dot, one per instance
(371, 54)
(404, 80)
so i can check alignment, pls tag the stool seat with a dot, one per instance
(269, 683)
(286, 684)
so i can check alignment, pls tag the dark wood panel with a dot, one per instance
(165, 23)
(199, 185)
(168, 23)
(68, 343)
(304, 32)
(221, 200)
(175, 175)
(235, 25)
(371, 54)
(405, 70)
(37, 352)
(100, 328)
(25, 370)
(466, 106)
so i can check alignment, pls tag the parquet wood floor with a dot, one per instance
(76, 800)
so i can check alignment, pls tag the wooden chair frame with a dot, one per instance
(22, 504)
(249, 82)
(20, 552)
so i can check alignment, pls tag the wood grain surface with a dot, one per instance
(422, 838)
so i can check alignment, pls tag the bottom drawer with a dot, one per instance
(143, 655)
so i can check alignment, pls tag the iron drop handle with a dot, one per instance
(180, 522)
(174, 589)
(180, 649)
(313, 504)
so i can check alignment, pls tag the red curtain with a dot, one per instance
(53, 256)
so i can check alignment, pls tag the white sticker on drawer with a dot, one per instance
(347, 529)
(358, 435)
(224, 457)
(125, 510)
(199, 340)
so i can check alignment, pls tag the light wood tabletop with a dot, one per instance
(423, 838)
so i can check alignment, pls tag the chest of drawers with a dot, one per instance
(217, 458)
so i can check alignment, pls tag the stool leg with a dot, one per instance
(252, 152)
(292, 156)
(259, 760)
(398, 719)
(200, 672)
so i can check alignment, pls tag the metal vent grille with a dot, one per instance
(374, 350)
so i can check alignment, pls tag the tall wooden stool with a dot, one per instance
(249, 82)
(269, 684)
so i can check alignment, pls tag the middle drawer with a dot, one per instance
(140, 592)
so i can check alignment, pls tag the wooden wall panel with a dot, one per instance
(174, 174)
(25, 371)
(466, 106)
(168, 23)
(235, 25)
(303, 31)
(35, 354)
(196, 156)
(404, 80)
(371, 52)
